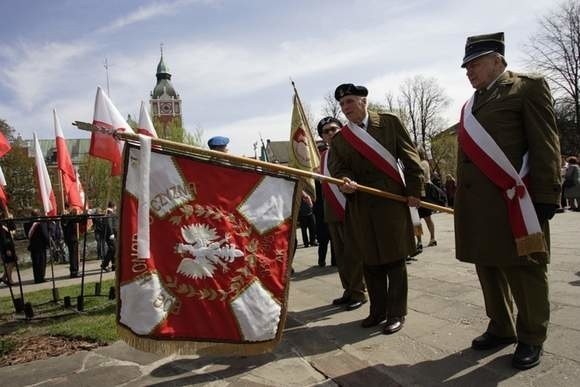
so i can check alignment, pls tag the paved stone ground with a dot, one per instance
(325, 346)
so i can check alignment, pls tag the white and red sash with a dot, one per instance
(377, 154)
(484, 152)
(380, 157)
(335, 198)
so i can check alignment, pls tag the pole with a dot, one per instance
(192, 150)
(60, 179)
(301, 109)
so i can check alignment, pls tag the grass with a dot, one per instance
(96, 323)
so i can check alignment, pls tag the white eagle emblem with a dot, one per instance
(206, 250)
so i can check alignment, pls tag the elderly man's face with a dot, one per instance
(483, 70)
(354, 108)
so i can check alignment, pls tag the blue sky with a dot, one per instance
(231, 60)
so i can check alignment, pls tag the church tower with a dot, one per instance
(165, 102)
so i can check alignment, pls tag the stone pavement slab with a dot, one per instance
(324, 345)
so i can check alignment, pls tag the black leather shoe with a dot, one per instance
(394, 324)
(372, 321)
(354, 304)
(341, 300)
(526, 356)
(490, 341)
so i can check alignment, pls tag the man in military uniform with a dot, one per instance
(350, 269)
(507, 129)
(380, 231)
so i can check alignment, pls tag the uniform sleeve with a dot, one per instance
(338, 161)
(543, 143)
(407, 153)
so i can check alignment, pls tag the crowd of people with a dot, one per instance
(58, 240)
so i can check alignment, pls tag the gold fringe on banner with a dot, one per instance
(534, 243)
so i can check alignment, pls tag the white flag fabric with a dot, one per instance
(145, 124)
(44, 185)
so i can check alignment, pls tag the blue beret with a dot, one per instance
(350, 89)
(218, 141)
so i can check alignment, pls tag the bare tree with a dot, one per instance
(555, 51)
(331, 107)
(421, 102)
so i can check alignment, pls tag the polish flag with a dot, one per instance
(69, 176)
(4, 145)
(44, 185)
(3, 197)
(145, 124)
(103, 145)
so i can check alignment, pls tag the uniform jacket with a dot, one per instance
(378, 230)
(517, 112)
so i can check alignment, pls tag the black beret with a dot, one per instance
(325, 121)
(350, 89)
(480, 45)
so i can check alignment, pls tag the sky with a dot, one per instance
(231, 61)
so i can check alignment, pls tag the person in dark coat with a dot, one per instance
(110, 237)
(510, 115)
(307, 221)
(379, 231)
(39, 240)
(322, 233)
(7, 250)
(70, 231)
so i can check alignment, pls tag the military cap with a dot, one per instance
(480, 45)
(350, 89)
(326, 121)
(218, 141)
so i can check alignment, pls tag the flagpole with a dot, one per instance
(171, 145)
(60, 179)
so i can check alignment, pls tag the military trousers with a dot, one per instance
(388, 288)
(350, 267)
(527, 286)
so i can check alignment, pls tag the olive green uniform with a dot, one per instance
(380, 231)
(517, 112)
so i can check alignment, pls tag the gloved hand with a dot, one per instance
(545, 211)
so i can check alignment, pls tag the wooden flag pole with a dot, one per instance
(189, 149)
(304, 120)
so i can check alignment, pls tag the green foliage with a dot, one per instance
(444, 152)
(6, 346)
(19, 172)
(98, 184)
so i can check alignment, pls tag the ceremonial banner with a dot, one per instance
(212, 276)
(4, 145)
(43, 179)
(103, 145)
(69, 175)
(145, 124)
(303, 152)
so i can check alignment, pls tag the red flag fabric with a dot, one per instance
(65, 165)
(4, 145)
(103, 145)
(216, 274)
(44, 186)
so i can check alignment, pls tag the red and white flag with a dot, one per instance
(3, 197)
(215, 275)
(65, 165)
(4, 145)
(145, 124)
(104, 145)
(43, 179)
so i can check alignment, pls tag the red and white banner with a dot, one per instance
(145, 126)
(484, 152)
(104, 145)
(3, 196)
(43, 179)
(208, 264)
(65, 165)
(332, 194)
(4, 145)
